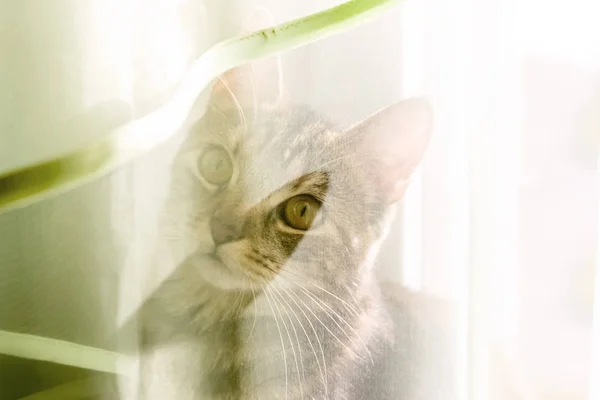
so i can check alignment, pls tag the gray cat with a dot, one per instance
(279, 215)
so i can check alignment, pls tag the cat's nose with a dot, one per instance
(222, 232)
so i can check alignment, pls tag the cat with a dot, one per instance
(278, 215)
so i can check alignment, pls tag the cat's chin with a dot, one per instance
(216, 273)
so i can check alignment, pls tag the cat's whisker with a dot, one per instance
(326, 152)
(300, 381)
(323, 150)
(336, 297)
(240, 300)
(345, 303)
(328, 313)
(355, 299)
(327, 328)
(254, 97)
(235, 304)
(277, 304)
(255, 312)
(352, 295)
(282, 344)
(320, 167)
(349, 136)
(356, 334)
(237, 105)
(324, 370)
(348, 251)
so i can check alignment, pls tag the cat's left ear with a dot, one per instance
(253, 83)
(393, 141)
(267, 74)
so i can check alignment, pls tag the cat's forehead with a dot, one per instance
(288, 137)
(272, 145)
(283, 145)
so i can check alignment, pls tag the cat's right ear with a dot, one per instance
(393, 141)
(248, 85)
(228, 89)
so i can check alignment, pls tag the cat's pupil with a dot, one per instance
(215, 166)
(303, 212)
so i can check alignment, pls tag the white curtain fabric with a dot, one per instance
(505, 212)
(501, 219)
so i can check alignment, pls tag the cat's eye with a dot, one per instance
(215, 165)
(301, 212)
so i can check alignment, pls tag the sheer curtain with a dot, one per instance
(503, 218)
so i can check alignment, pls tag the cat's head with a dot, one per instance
(272, 190)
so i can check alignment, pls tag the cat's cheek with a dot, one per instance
(233, 258)
(216, 273)
(205, 242)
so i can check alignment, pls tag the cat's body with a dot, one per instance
(243, 358)
(410, 358)
(279, 215)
